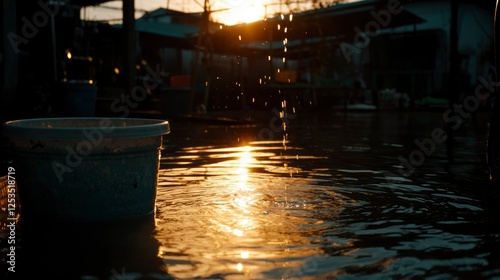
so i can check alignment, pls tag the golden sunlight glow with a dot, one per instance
(237, 232)
(245, 159)
(246, 156)
(240, 11)
(245, 222)
(245, 254)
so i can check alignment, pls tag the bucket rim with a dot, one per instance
(136, 128)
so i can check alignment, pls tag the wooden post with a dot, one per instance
(130, 44)
(454, 63)
(453, 73)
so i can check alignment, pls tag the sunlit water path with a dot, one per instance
(332, 204)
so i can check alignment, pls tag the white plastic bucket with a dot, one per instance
(86, 169)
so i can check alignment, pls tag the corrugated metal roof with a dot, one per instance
(158, 22)
(165, 29)
(331, 22)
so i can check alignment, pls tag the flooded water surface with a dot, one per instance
(334, 196)
(328, 201)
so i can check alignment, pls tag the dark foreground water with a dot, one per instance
(327, 202)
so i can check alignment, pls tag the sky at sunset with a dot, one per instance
(225, 11)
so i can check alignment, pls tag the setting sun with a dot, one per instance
(239, 11)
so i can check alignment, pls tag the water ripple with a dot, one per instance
(257, 212)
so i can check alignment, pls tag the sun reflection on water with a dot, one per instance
(238, 211)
